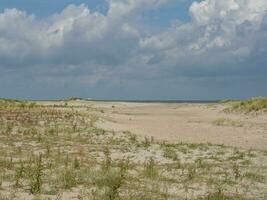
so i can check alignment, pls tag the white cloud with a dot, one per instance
(220, 34)
(124, 8)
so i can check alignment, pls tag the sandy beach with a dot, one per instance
(186, 123)
(79, 149)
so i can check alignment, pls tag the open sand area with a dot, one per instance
(187, 123)
(80, 149)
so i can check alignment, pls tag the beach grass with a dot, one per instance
(257, 104)
(56, 151)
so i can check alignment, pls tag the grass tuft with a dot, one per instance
(257, 104)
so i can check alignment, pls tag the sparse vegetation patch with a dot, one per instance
(227, 122)
(58, 152)
(258, 104)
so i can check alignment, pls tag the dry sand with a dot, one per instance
(187, 123)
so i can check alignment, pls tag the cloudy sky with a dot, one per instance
(133, 49)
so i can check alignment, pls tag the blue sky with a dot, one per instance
(43, 8)
(133, 49)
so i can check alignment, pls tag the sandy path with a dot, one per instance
(185, 123)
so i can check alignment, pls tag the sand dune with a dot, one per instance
(189, 123)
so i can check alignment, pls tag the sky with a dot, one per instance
(133, 49)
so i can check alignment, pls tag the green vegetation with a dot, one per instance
(74, 98)
(170, 153)
(56, 151)
(229, 101)
(14, 102)
(221, 196)
(227, 122)
(257, 104)
(150, 169)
